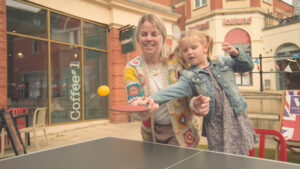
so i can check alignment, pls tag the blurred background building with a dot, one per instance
(56, 53)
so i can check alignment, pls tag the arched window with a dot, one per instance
(287, 64)
(240, 39)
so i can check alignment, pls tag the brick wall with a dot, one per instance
(255, 3)
(3, 56)
(163, 2)
(282, 9)
(188, 9)
(117, 62)
(181, 10)
(216, 4)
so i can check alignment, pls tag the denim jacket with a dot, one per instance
(196, 81)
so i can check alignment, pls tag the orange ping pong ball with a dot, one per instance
(103, 90)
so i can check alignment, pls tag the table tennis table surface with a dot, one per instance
(118, 153)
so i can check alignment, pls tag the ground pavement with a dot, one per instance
(61, 135)
(66, 134)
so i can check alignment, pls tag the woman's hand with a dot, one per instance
(232, 51)
(201, 104)
(150, 103)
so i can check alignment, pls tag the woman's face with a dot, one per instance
(150, 39)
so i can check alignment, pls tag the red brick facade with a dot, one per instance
(3, 56)
(163, 2)
(216, 4)
(116, 64)
(181, 21)
(286, 10)
(255, 3)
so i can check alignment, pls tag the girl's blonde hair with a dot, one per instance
(201, 37)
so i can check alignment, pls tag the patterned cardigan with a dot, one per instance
(185, 124)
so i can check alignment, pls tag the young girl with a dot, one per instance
(226, 125)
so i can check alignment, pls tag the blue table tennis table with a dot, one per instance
(117, 153)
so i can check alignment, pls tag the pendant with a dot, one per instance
(154, 74)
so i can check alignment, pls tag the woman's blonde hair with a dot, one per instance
(159, 24)
(201, 37)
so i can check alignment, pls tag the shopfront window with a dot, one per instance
(94, 36)
(65, 28)
(25, 19)
(95, 66)
(65, 83)
(61, 70)
(27, 75)
(287, 67)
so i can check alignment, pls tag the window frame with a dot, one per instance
(201, 3)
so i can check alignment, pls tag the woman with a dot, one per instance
(172, 123)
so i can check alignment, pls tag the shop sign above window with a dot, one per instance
(126, 36)
(237, 21)
(201, 26)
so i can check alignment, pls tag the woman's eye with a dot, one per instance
(154, 34)
(143, 34)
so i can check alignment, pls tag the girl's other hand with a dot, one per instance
(232, 51)
(201, 103)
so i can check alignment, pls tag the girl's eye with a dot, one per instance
(194, 47)
(143, 33)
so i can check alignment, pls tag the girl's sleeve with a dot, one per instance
(180, 89)
(243, 62)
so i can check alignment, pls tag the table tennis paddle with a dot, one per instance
(129, 108)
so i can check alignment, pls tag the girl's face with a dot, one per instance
(150, 39)
(193, 52)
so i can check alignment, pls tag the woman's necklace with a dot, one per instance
(154, 70)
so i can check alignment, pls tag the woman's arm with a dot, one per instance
(134, 91)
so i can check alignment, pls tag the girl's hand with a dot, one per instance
(201, 103)
(232, 51)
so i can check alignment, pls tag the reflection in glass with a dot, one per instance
(27, 75)
(25, 19)
(95, 74)
(94, 36)
(65, 29)
(65, 83)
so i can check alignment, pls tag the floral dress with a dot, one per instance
(227, 132)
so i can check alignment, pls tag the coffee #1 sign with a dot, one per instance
(75, 90)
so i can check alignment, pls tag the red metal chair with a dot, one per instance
(263, 133)
(20, 122)
(18, 115)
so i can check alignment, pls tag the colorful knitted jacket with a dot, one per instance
(184, 123)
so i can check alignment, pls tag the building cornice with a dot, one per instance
(142, 7)
(219, 12)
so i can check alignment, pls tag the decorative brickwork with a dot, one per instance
(216, 4)
(3, 56)
(117, 62)
(181, 21)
